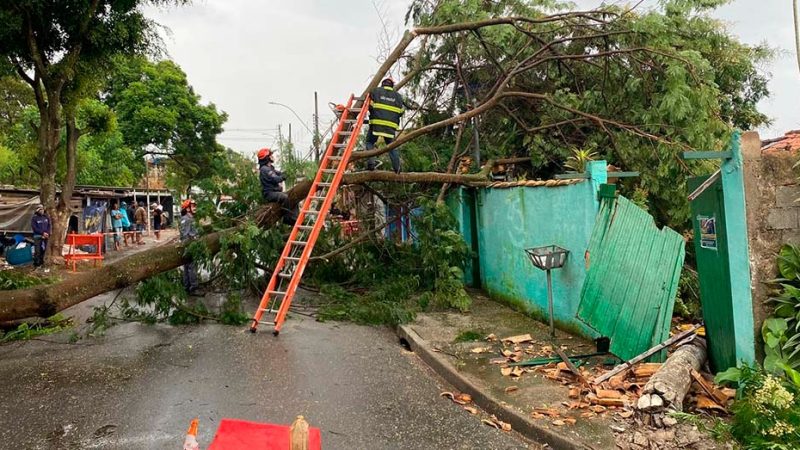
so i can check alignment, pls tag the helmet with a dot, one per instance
(187, 203)
(388, 81)
(264, 153)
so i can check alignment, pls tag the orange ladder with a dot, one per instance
(290, 266)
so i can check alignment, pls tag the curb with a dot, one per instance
(519, 422)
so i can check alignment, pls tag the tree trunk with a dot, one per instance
(667, 388)
(59, 218)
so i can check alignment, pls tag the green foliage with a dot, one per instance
(15, 279)
(25, 331)
(693, 85)
(766, 409)
(394, 281)
(158, 109)
(716, 427)
(781, 332)
(579, 159)
(469, 336)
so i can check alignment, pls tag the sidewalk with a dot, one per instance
(537, 402)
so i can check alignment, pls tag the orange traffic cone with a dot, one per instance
(191, 436)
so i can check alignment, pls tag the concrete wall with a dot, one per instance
(773, 215)
(510, 220)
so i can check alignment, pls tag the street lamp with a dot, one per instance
(547, 258)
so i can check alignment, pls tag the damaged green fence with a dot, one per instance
(634, 270)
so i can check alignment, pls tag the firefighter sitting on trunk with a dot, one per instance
(385, 110)
(271, 189)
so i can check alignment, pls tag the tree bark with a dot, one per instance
(667, 388)
(44, 301)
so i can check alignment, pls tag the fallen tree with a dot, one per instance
(46, 300)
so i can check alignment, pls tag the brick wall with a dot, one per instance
(773, 214)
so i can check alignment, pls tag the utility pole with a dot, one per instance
(316, 127)
(290, 134)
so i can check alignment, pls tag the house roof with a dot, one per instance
(789, 142)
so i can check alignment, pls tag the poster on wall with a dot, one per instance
(708, 232)
(93, 217)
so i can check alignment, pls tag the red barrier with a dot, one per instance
(74, 240)
(242, 435)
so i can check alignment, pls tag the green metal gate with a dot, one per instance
(711, 252)
(723, 261)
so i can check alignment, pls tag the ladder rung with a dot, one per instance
(292, 258)
(355, 109)
(335, 158)
(325, 184)
(350, 121)
(306, 227)
(340, 145)
(345, 133)
(285, 275)
(329, 170)
(277, 292)
(318, 198)
(264, 322)
(301, 243)
(311, 212)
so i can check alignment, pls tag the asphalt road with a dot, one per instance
(139, 386)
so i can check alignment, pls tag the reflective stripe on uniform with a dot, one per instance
(386, 107)
(384, 123)
(381, 134)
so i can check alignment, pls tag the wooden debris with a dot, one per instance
(481, 349)
(646, 370)
(550, 412)
(491, 337)
(518, 339)
(708, 387)
(493, 421)
(471, 409)
(511, 389)
(461, 399)
(574, 393)
(706, 403)
(607, 393)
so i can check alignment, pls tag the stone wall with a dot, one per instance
(773, 214)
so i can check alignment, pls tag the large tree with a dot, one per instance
(161, 115)
(57, 47)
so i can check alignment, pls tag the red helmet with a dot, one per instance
(264, 153)
(187, 203)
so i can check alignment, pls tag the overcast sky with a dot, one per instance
(243, 54)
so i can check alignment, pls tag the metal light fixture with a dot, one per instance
(547, 258)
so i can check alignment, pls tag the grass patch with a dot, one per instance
(468, 336)
(714, 426)
(15, 279)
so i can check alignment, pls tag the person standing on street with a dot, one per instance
(156, 211)
(189, 232)
(126, 223)
(116, 224)
(140, 218)
(40, 225)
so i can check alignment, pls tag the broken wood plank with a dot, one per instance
(569, 364)
(709, 388)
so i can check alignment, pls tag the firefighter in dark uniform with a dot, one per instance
(385, 110)
(271, 189)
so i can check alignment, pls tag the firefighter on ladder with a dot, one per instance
(271, 190)
(385, 110)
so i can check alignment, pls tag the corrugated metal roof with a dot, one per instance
(634, 269)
